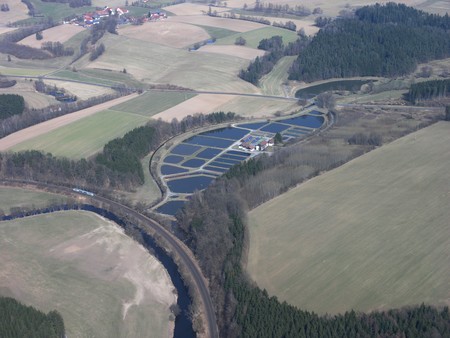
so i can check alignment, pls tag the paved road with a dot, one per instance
(172, 244)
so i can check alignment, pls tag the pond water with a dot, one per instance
(350, 85)
(233, 157)
(170, 169)
(228, 133)
(193, 163)
(240, 153)
(227, 160)
(185, 149)
(306, 121)
(209, 141)
(315, 112)
(209, 153)
(275, 127)
(173, 159)
(252, 126)
(219, 170)
(171, 207)
(221, 164)
(189, 184)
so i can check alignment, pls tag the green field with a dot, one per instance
(271, 84)
(23, 71)
(84, 137)
(151, 103)
(15, 197)
(255, 36)
(97, 76)
(217, 33)
(371, 234)
(102, 282)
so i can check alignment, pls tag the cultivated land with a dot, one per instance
(151, 103)
(371, 234)
(204, 20)
(60, 33)
(167, 65)
(255, 36)
(167, 33)
(17, 11)
(102, 282)
(272, 83)
(85, 137)
(32, 98)
(15, 197)
(80, 90)
(47, 126)
(258, 107)
(239, 51)
(202, 103)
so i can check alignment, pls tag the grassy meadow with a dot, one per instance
(271, 84)
(102, 282)
(15, 197)
(85, 137)
(255, 36)
(151, 103)
(371, 234)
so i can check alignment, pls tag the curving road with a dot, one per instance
(172, 243)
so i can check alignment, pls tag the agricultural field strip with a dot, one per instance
(47, 126)
(355, 237)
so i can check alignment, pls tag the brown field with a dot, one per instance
(47, 126)
(258, 107)
(4, 29)
(102, 282)
(17, 11)
(32, 98)
(238, 51)
(167, 33)
(82, 91)
(60, 33)
(202, 103)
(204, 20)
(371, 234)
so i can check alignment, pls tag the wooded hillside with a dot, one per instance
(18, 320)
(382, 40)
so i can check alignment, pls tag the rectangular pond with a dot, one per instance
(189, 184)
(306, 121)
(227, 133)
(174, 159)
(185, 149)
(209, 141)
(171, 207)
(193, 163)
(239, 153)
(170, 170)
(220, 170)
(209, 153)
(252, 126)
(221, 165)
(275, 127)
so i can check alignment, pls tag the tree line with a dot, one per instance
(275, 51)
(382, 40)
(18, 320)
(11, 104)
(271, 9)
(428, 90)
(214, 226)
(118, 166)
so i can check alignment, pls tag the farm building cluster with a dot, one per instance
(120, 13)
(256, 142)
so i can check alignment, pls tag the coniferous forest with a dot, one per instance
(18, 320)
(428, 90)
(381, 40)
